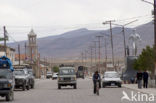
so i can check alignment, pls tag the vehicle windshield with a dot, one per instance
(111, 75)
(19, 72)
(30, 72)
(67, 72)
(5, 74)
(80, 68)
(55, 74)
(49, 72)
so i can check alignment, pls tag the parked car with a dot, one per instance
(49, 74)
(22, 79)
(67, 76)
(111, 78)
(54, 76)
(31, 78)
(7, 81)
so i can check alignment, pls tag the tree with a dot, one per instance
(145, 60)
(55, 69)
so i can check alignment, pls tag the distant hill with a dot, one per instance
(72, 43)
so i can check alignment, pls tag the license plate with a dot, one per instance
(112, 84)
(67, 79)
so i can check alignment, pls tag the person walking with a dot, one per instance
(145, 79)
(139, 79)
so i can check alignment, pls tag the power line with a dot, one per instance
(136, 17)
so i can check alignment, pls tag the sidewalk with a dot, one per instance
(143, 90)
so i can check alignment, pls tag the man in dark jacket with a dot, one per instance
(96, 77)
(139, 79)
(145, 79)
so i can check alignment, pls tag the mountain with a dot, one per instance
(72, 43)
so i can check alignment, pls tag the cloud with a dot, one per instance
(66, 13)
(13, 16)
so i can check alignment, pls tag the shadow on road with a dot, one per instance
(66, 89)
(111, 87)
(17, 90)
(2, 100)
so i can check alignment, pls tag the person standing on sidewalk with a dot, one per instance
(145, 79)
(139, 79)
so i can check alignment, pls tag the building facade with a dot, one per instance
(10, 53)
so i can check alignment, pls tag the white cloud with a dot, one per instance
(13, 16)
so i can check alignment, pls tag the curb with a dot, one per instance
(138, 90)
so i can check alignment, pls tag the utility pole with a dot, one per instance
(25, 46)
(105, 51)
(82, 56)
(123, 31)
(51, 62)
(95, 50)
(38, 65)
(5, 38)
(91, 55)
(45, 67)
(85, 57)
(99, 40)
(19, 54)
(110, 22)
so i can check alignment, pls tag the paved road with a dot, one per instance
(46, 92)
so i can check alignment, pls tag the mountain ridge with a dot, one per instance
(71, 44)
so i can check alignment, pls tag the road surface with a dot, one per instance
(46, 92)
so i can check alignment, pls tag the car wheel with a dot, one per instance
(28, 87)
(23, 87)
(119, 86)
(75, 86)
(59, 86)
(103, 85)
(10, 96)
(32, 86)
